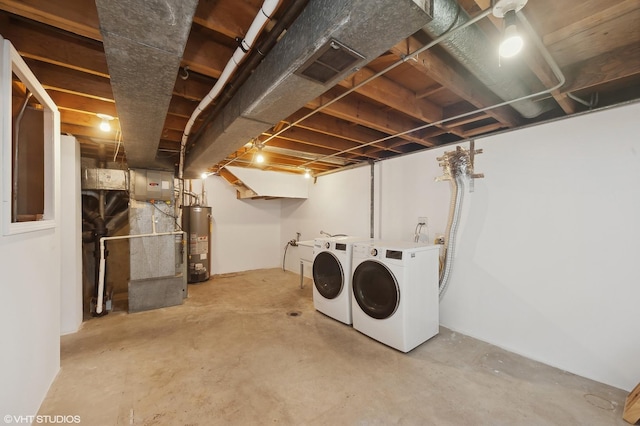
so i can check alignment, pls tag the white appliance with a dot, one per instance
(332, 276)
(395, 292)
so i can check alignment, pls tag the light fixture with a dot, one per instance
(512, 41)
(259, 157)
(105, 126)
(307, 174)
(204, 175)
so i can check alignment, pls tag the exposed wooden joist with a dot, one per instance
(363, 113)
(71, 81)
(215, 16)
(320, 140)
(204, 55)
(339, 128)
(54, 47)
(75, 16)
(620, 63)
(456, 79)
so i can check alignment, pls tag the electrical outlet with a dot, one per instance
(422, 220)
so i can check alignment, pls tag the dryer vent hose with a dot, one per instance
(457, 166)
(457, 188)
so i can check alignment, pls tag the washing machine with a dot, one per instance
(395, 292)
(332, 276)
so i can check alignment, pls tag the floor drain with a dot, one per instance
(294, 314)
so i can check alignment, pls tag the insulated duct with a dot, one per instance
(144, 42)
(366, 28)
(471, 48)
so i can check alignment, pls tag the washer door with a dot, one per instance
(327, 275)
(375, 289)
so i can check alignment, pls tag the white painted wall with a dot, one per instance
(71, 234)
(246, 233)
(338, 204)
(30, 314)
(548, 244)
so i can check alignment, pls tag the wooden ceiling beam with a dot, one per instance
(455, 78)
(393, 95)
(71, 81)
(304, 147)
(204, 55)
(55, 47)
(620, 63)
(214, 15)
(82, 103)
(358, 111)
(75, 16)
(336, 127)
(311, 138)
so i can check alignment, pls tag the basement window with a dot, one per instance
(30, 139)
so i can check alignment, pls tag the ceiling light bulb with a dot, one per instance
(511, 43)
(307, 174)
(105, 126)
(204, 175)
(259, 157)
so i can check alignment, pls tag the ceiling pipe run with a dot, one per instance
(365, 28)
(144, 41)
(472, 48)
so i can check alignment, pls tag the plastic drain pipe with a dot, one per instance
(261, 19)
(103, 261)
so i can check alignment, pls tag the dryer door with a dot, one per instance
(375, 289)
(327, 275)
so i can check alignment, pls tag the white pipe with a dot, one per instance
(103, 261)
(263, 16)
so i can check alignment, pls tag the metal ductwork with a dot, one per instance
(329, 40)
(472, 49)
(144, 42)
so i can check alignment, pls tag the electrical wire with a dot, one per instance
(175, 218)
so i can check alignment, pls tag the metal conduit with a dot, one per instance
(364, 82)
(545, 54)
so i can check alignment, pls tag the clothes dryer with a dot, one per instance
(395, 292)
(332, 276)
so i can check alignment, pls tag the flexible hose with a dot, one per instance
(452, 230)
(285, 255)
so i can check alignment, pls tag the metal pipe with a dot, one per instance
(367, 81)
(103, 260)
(260, 20)
(543, 51)
(371, 215)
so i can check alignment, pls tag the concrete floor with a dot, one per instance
(234, 354)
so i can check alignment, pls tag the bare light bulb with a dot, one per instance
(512, 42)
(105, 126)
(204, 175)
(259, 157)
(307, 174)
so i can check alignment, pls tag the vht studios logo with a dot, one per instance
(48, 419)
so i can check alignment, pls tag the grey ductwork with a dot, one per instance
(274, 91)
(471, 47)
(144, 42)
